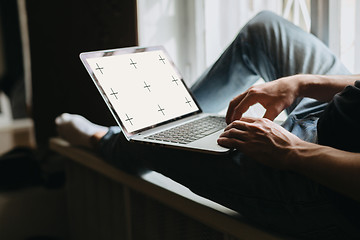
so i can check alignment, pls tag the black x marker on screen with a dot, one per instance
(162, 59)
(133, 63)
(128, 119)
(99, 68)
(147, 86)
(175, 80)
(161, 110)
(188, 101)
(114, 93)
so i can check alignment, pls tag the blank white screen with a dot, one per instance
(143, 88)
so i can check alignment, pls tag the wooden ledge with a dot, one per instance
(166, 191)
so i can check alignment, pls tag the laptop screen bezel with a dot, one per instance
(119, 51)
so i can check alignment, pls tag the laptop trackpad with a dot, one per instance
(210, 143)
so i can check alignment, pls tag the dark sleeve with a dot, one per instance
(339, 125)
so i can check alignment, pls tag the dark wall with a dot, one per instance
(12, 80)
(59, 31)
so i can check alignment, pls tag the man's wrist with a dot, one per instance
(297, 156)
(306, 84)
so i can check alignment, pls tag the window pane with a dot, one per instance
(347, 33)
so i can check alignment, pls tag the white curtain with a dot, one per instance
(196, 32)
(348, 33)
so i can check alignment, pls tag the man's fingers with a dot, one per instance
(270, 114)
(240, 125)
(230, 142)
(234, 135)
(243, 106)
(232, 106)
(248, 119)
(239, 105)
(237, 130)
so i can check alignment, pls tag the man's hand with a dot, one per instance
(277, 95)
(274, 96)
(270, 144)
(261, 139)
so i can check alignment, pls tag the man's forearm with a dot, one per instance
(333, 168)
(324, 87)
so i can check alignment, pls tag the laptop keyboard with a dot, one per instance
(191, 131)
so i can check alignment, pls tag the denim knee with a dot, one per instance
(262, 26)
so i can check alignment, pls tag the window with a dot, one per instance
(337, 23)
(196, 32)
(349, 34)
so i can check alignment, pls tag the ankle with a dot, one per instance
(96, 138)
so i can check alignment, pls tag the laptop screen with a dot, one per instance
(141, 86)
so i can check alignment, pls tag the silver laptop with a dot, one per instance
(149, 100)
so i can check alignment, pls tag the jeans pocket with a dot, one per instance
(306, 128)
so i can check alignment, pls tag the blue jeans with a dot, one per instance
(271, 48)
